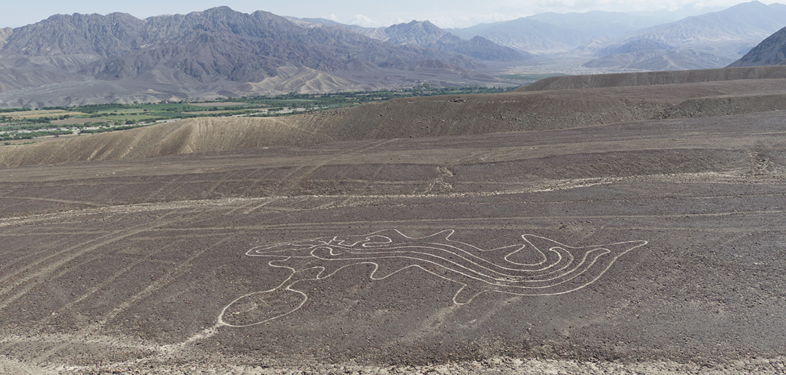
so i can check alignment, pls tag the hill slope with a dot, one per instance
(614, 99)
(655, 78)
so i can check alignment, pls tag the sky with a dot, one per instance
(443, 13)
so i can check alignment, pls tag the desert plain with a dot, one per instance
(629, 223)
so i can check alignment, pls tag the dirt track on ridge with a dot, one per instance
(649, 246)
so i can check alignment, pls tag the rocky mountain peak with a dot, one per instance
(77, 34)
(416, 33)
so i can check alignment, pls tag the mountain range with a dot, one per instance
(708, 41)
(86, 59)
(83, 59)
(556, 33)
(611, 41)
(625, 41)
(427, 35)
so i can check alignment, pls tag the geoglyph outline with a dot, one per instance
(562, 269)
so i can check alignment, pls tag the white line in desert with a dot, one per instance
(567, 269)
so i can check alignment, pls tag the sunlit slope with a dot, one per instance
(421, 117)
(656, 78)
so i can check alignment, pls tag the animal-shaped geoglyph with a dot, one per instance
(557, 268)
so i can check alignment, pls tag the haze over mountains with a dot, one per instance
(626, 41)
(554, 33)
(84, 59)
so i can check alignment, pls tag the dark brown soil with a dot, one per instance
(156, 264)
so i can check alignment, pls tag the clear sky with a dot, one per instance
(443, 13)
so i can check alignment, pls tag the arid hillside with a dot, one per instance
(583, 101)
(656, 78)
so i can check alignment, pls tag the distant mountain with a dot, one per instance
(659, 60)
(700, 42)
(427, 35)
(415, 33)
(722, 33)
(635, 45)
(597, 24)
(771, 51)
(645, 54)
(203, 54)
(528, 35)
(555, 33)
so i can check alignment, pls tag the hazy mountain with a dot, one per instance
(371, 32)
(723, 33)
(635, 45)
(597, 24)
(659, 60)
(554, 32)
(646, 54)
(427, 35)
(214, 52)
(771, 51)
(526, 34)
(415, 33)
(708, 41)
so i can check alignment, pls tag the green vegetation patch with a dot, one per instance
(28, 123)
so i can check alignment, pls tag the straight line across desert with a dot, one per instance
(610, 223)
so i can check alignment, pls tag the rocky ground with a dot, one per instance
(631, 247)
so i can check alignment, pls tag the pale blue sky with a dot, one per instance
(444, 13)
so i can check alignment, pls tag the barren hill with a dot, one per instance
(655, 78)
(582, 101)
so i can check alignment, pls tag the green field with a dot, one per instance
(18, 124)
